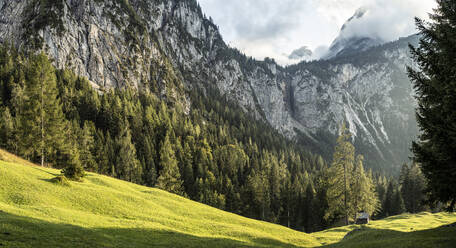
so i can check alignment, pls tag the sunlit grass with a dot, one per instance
(105, 212)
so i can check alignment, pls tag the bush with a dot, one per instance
(61, 180)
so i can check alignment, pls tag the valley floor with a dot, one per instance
(105, 212)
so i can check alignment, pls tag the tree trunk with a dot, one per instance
(288, 217)
(345, 192)
(42, 120)
(262, 211)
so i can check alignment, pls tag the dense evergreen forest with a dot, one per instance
(215, 154)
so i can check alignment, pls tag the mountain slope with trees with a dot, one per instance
(216, 155)
(167, 104)
(170, 48)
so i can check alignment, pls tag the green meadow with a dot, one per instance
(35, 211)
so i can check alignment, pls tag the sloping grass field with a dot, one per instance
(105, 212)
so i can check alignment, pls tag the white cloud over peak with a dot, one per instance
(270, 28)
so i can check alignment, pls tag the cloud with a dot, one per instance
(271, 28)
(267, 28)
(387, 20)
(256, 20)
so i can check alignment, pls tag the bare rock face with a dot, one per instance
(370, 91)
(170, 45)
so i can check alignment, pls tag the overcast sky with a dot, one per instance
(274, 28)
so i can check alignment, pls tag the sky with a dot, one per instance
(275, 28)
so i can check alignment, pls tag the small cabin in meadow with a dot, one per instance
(362, 218)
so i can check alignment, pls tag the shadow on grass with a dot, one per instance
(45, 171)
(367, 237)
(17, 231)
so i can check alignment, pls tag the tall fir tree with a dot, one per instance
(435, 87)
(73, 168)
(86, 145)
(413, 184)
(43, 126)
(170, 177)
(309, 209)
(7, 130)
(394, 204)
(363, 197)
(398, 206)
(342, 165)
(127, 165)
(388, 206)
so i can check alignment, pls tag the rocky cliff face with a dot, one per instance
(370, 91)
(170, 47)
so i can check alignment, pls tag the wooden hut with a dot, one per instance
(362, 218)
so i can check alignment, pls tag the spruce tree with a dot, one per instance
(86, 144)
(6, 130)
(127, 164)
(388, 207)
(362, 191)
(435, 87)
(340, 176)
(309, 209)
(188, 176)
(398, 206)
(73, 169)
(170, 177)
(394, 204)
(42, 123)
(413, 186)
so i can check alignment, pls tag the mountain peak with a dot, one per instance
(358, 15)
(349, 42)
(303, 53)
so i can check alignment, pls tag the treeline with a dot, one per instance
(408, 194)
(215, 154)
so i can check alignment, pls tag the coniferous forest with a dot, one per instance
(215, 154)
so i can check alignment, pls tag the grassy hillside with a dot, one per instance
(105, 212)
(407, 230)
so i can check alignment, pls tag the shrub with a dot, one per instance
(61, 180)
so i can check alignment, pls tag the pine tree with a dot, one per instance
(413, 186)
(150, 170)
(258, 189)
(362, 191)
(86, 144)
(42, 123)
(73, 169)
(309, 209)
(406, 187)
(127, 164)
(188, 175)
(342, 165)
(398, 206)
(170, 178)
(101, 153)
(381, 189)
(394, 204)
(436, 94)
(288, 201)
(388, 207)
(7, 130)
